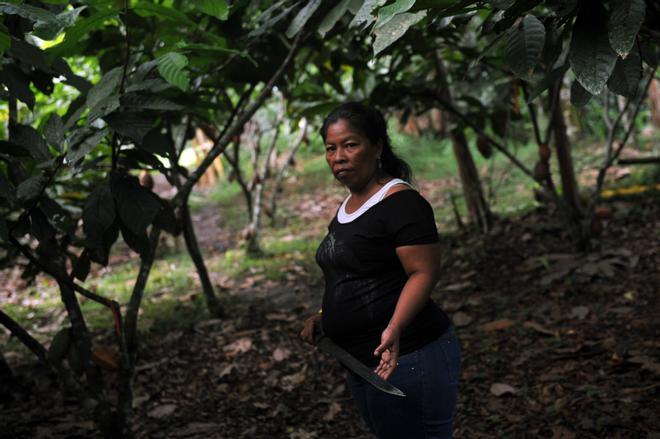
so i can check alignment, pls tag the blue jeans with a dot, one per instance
(429, 378)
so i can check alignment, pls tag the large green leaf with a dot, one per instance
(30, 188)
(524, 46)
(395, 29)
(79, 150)
(214, 8)
(547, 81)
(18, 84)
(386, 13)
(159, 143)
(149, 9)
(333, 17)
(54, 131)
(302, 17)
(103, 108)
(171, 67)
(98, 215)
(149, 102)
(137, 206)
(5, 39)
(105, 87)
(579, 96)
(626, 18)
(591, 56)
(131, 124)
(51, 29)
(30, 139)
(626, 75)
(81, 29)
(364, 16)
(32, 13)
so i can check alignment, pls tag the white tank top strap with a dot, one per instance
(343, 217)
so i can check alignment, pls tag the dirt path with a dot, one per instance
(555, 345)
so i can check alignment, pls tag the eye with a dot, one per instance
(330, 148)
(351, 145)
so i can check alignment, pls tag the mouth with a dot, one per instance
(341, 172)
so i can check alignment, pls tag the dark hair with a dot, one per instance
(370, 122)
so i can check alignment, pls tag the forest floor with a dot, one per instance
(556, 344)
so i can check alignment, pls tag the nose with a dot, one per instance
(340, 155)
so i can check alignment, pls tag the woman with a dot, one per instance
(380, 261)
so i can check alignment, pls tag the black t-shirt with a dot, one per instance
(364, 277)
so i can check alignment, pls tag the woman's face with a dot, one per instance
(352, 158)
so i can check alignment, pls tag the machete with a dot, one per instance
(328, 346)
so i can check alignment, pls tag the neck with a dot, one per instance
(375, 183)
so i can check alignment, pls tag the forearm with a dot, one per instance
(414, 296)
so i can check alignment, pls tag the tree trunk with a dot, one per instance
(570, 190)
(214, 307)
(478, 208)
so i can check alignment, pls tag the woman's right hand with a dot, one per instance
(311, 324)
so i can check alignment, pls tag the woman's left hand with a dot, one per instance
(388, 350)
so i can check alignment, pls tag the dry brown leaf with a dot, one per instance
(497, 325)
(106, 357)
(162, 410)
(560, 432)
(333, 410)
(281, 354)
(579, 312)
(538, 328)
(461, 319)
(239, 346)
(499, 389)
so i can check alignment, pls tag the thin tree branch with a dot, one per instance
(21, 334)
(222, 142)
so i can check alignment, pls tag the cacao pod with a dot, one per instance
(483, 145)
(541, 171)
(544, 152)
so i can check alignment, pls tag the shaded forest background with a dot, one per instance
(163, 190)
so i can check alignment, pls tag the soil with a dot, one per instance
(556, 344)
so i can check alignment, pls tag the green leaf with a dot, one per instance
(75, 33)
(649, 53)
(31, 188)
(502, 4)
(579, 96)
(133, 125)
(137, 206)
(81, 267)
(57, 215)
(210, 48)
(149, 102)
(214, 8)
(105, 87)
(5, 39)
(159, 143)
(98, 215)
(18, 84)
(31, 13)
(30, 139)
(6, 189)
(302, 17)
(364, 16)
(40, 228)
(171, 67)
(386, 13)
(79, 151)
(148, 9)
(590, 55)
(54, 131)
(626, 18)
(333, 17)
(626, 75)
(60, 345)
(395, 29)
(51, 29)
(524, 46)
